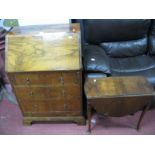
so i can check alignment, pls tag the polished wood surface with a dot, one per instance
(36, 29)
(117, 87)
(45, 72)
(43, 51)
(120, 106)
(35, 78)
(118, 96)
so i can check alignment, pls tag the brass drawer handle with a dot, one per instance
(27, 80)
(31, 94)
(61, 80)
(13, 80)
(65, 106)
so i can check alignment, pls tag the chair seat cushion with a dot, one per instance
(95, 59)
(132, 64)
(141, 65)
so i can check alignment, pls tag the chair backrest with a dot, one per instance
(118, 37)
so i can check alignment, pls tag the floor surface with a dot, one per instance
(11, 124)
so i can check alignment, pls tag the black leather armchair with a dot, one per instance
(119, 47)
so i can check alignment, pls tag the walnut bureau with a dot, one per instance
(43, 64)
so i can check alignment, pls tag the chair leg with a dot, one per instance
(89, 111)
(142, 115)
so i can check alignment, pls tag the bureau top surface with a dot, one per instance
(118, 87)
(43, 48)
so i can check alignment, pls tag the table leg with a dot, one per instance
(142, 115)
(89, 111)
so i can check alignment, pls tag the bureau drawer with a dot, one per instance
(42, 78)
(42, 106)
(72, 90)
(73, 104)
(27, 107)
(37, 93)
(72, 77)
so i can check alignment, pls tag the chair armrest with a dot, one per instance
(95, 59)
